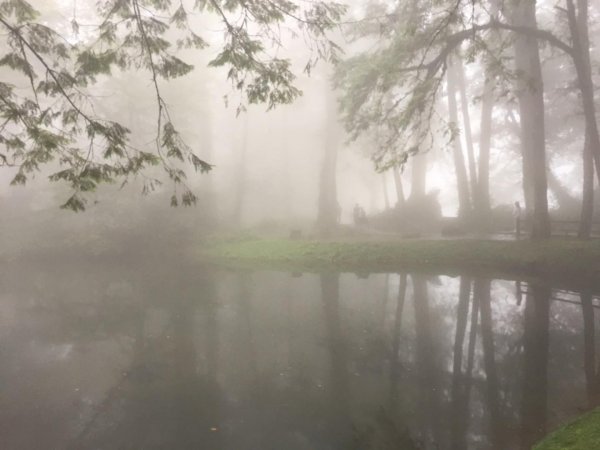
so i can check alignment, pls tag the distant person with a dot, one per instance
(518, 216)
(338, 212)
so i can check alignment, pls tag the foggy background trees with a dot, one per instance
(417, 110)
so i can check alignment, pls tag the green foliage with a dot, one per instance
(56, 121)
(581, 434)
(389, 92)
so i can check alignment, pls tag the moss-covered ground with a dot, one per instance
(581, 434)
(556, 257)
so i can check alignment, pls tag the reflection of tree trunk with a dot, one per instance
(471, 351)
(335, 341)
(211, 333)
(535, 365)
(395, 364)
(482, 292)
(589, 349)
(384, 300)
(462, 182)
(458, 411)
(425, 359)
(399, 188)
(246, 327)
(530, 92)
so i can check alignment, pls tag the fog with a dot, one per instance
(302, 225)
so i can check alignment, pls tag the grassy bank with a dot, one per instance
(581, 434)
(555, 257)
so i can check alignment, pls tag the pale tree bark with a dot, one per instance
(462, 183)
(578, 26)
(327, 203)
(562, 195)
(481, 196)
(466, 116)
(386, 198)
(400, 199)
(418, 180)
(240, 179)
(530, 91)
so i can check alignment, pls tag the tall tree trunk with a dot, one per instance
(464, 103)
(399, 188)
(418, 180)
(238, 206)
(328, 204)
(530, 92)
(562, 195)
(481, 196)
(587, 200)
(578, 27)
(386, 198)
(462, 182)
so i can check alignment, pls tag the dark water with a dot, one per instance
(167, 356)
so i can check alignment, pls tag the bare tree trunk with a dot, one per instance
(399, 188)
(328, 204)
(418, 180)
(587, 200)
(464, 103)
(481, 196)
(386, 198)
(462, 183)
(238, 205)
(531, 104)
(578, 26)
(564, 199)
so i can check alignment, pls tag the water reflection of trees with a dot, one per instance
(454, 363)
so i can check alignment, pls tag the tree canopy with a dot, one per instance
(54, 121)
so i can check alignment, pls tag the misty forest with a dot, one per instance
(299, 224)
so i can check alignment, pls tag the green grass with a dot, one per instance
(556, 256)
(581, 434)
